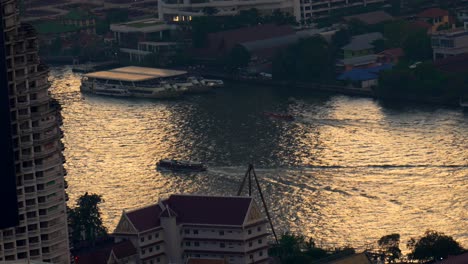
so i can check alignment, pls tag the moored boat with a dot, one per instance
(180, 165)
(133, 82)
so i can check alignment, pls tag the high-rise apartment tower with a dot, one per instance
(33, 221)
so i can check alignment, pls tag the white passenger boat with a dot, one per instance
(134, 82)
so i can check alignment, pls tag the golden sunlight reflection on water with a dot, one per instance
(347, 171)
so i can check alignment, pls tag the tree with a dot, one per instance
(433, 246)
(417, 46)
(310, 59)
(390, 245)
(238, 57)
(85, 219)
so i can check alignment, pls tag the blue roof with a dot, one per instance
(364, 74)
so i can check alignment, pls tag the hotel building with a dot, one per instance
(183, 10)
(187, 227)
(33, 226)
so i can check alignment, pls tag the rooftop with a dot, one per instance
(193, 209)
(124, 249)
(433, 13)
(364, 41)
(134, 74)
(145, 26)
(371, 18)
(364, 74)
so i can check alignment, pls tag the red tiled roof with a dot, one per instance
(95, 257)
(460, 259)
(124, 249)
(421, 24)
(145, 218)
(396, 52)
(192, 209)
(210, 209)
(433, 13)
(206, 261)
(224, 41)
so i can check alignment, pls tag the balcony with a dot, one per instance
(40, 100)
(45, 152)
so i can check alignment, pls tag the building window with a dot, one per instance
(197, 244)
(142, 239)
(187, 231)
(187, 244)
(260, 253)
(156, 235)
(222, 245)
(150, 237)
(157, 247)
(158, 260)
(259, 228)
(251, 256)
(249, 231)
(221, 233)
(195, 232)
(260, 241)
(143, 252)
(150, 249)
(250, 244)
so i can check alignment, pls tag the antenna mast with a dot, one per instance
(248, 174)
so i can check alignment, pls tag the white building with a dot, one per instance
(307, 9)
(185, 227)
(184, 10)
(41, 232)
(450, 42)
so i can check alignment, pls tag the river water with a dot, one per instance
(348, 171)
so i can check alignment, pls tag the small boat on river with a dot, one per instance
(180, 165)
(282, 116)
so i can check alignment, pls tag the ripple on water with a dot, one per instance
(348, 171)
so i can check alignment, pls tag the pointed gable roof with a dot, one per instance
(192, 209)
(145, 218)
(124, 249)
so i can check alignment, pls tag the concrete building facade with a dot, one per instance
(450, 42)
(308, 9)
(40, 234)
(185, 227)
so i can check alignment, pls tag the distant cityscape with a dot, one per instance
(408, 51)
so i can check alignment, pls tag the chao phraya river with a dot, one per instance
(347, 171)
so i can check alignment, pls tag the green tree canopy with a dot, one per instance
(390, 245)
(238, 57)
(85, 219)
(433, 246)
(308, 60)
(417, 46)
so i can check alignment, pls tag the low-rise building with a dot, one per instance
(81, 19)
(450, 42)
(180, 11)
(361, 45)
(436, 17)
(310, 9)
(364, 79)
(128, 34)
(184, 227)
(371, 18)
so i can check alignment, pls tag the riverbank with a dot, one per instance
(329, 88)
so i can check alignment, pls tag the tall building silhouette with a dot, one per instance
(33, 220)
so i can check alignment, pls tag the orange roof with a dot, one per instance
(433, 13)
